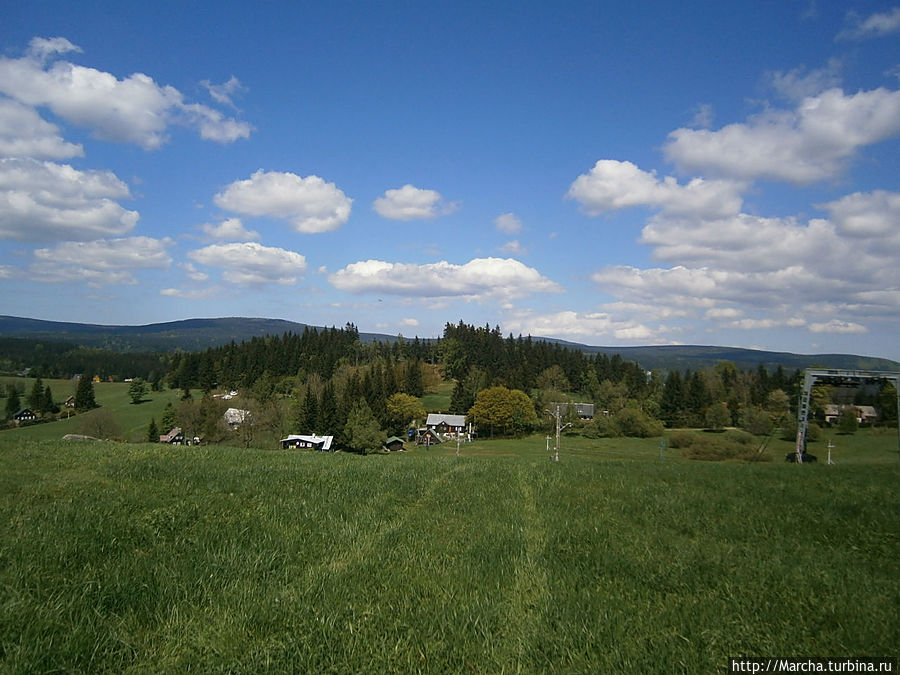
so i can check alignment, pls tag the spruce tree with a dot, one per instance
(13, 402)
(36, 398)
(84, 394)
(153, 431)
(47, 404)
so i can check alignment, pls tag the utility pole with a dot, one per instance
(557, 415)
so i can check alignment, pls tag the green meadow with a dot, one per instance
(143, 558)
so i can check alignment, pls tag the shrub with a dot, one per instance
(756, 420)
(733, 444)
(604, 426)
(681, 439)
(638, 424)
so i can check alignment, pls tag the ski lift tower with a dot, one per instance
(838, 377)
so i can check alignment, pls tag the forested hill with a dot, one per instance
(194, 335)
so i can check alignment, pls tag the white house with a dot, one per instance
(234, 417)
(311, 442)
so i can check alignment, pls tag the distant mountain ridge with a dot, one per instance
(200, 334)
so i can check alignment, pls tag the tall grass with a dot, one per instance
(156, 559)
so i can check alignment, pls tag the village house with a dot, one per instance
(585, 411)
(446, 424)
(234, 417)
(307, 442)
(865, 414)
(174, 437)
(25, 415)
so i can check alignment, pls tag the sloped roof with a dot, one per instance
(324, 441)
(435, 419)
(236, 416)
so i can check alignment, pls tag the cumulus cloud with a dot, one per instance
(591, 326)
(513, 248)
(42, 48)
(477, 279)
(809, 143)
(101, 262)
(863, 215)
(23, 133)
(44, 201)
(873, 26)
(508, 223)
(837, 326)
(231, 229)
(253, 264)
(309, 204)
(132, 110)
(224, 93)
(612, 184)
(800, 83)
(412, 203)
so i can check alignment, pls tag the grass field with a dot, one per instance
(112, 397)
(142, 558)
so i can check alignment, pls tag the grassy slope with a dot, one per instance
(144, 558)
(132, 419)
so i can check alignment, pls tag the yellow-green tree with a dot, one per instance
(504, 411)
(403, 410)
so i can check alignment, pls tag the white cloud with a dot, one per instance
(250, 263)
(875, 25)
(101, 262)
(193, 273)
(513, 248)
(24, 133)
(723, 313)
(191, 294)
(412, 323)
(612, 184)
(800, 83)
(478, 279)
(837, 326)
(44, 201)
(310, 204)
(703, 116)
(131, 110)
(412, 203)
(804, 145)
(874, 214)
(224, 93)
(508, 223)
(42, 48)
(231, 229)
(582, 325)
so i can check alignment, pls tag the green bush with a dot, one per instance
(638, 424)
(733, 444)
(604, 426)
(756, 420)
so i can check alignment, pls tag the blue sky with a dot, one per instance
(608, 173)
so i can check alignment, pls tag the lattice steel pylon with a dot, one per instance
(812, 375)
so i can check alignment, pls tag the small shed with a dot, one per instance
(393, 444)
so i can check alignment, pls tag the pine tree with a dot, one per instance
(169, 417)
(327, 418)
(48, 405)
(13, 402)
(153, 431)
(36, 398)
(84, 394)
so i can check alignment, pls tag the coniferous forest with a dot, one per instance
(328, 381)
